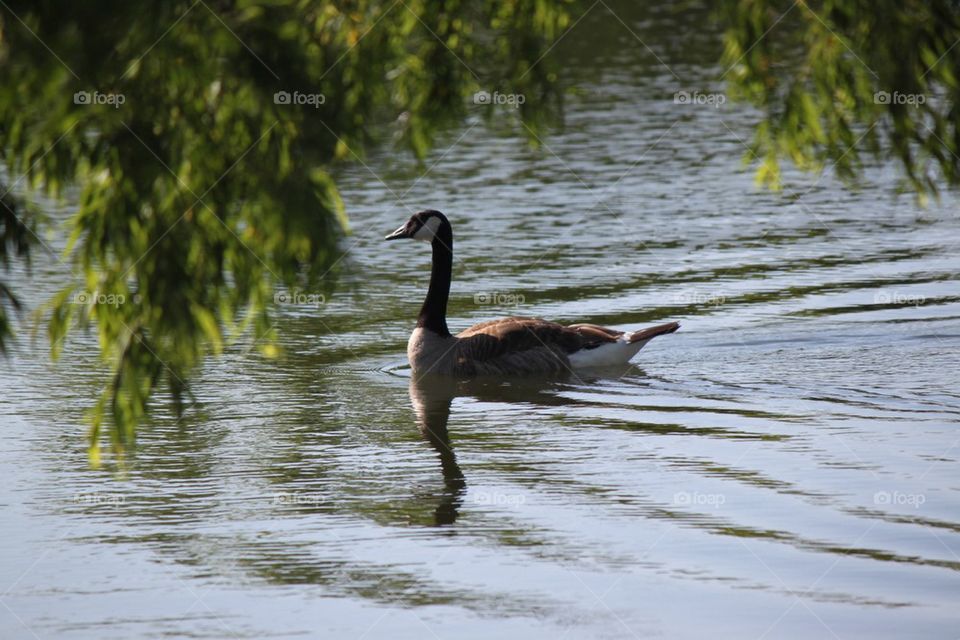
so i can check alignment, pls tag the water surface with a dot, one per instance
(784, 466)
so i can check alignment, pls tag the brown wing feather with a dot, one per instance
(653, 332)
(489, 340)
(519, 345)
(605, 334)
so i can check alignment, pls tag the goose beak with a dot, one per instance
(399, 233)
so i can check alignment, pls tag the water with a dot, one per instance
(784, 466)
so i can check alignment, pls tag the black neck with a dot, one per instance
(433, 314)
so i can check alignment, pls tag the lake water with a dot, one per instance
(784, 466)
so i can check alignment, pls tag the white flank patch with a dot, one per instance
(606, 355)
(428, 231)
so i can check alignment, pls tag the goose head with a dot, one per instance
(423, 226)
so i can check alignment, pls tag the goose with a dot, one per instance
(507, 346)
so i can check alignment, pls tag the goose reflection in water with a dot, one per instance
(433, 395)
(431, 398)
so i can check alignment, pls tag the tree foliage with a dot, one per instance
(15, 242)
(840, 78)
(201, 136)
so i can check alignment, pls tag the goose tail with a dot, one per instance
(622, 349)
(651, 332)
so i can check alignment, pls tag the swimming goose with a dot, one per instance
(508, 346)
